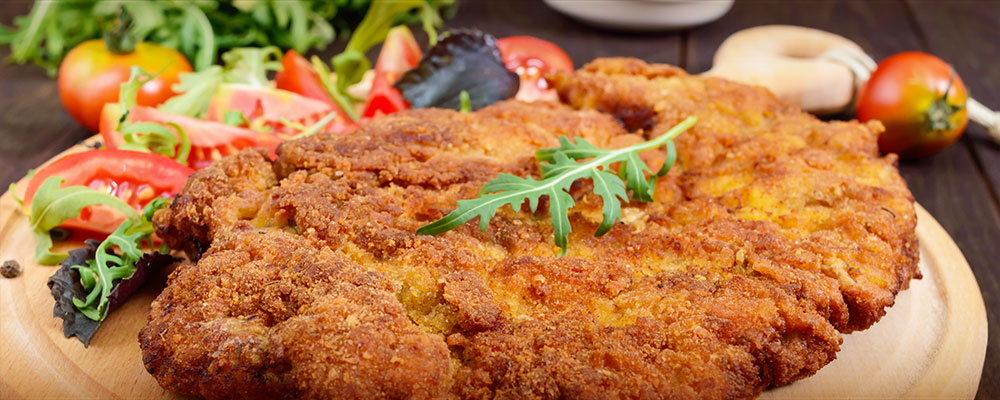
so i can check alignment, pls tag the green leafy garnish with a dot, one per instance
(382, 15)
(316, 127)
(235, 118)
(250, 65)
(466, 104)
(341, 99)
(195, 92)
(199, 29)
(13, 193)
(561, 167)
(98, 275)
(149, 137)
(52, 205)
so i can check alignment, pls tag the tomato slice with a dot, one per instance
(531, 58)
(383, 98)
(297, 75)
(135, 177)
(399, 53)
(277, 110)
(210, 140)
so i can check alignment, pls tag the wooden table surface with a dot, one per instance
(960, 186)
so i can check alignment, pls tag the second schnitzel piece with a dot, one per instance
(773, 233)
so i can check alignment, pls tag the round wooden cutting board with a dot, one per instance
(932, 343)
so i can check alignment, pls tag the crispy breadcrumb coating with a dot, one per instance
(773, 234)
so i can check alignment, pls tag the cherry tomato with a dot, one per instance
(531, 58)
(135, 177)
(399, 53)
(91, 75)
(921, 101)
(210, 140)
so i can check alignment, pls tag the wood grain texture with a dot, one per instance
(940, 355)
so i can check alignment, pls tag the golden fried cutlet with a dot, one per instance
(773, 234)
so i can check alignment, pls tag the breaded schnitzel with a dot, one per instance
(772, 234)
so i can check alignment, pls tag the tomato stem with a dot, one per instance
(939, 114)
(119, 39)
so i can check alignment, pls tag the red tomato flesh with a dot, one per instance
(531, 58)
(399, 54)
(210, 141)
(135, 177)
(272, 108)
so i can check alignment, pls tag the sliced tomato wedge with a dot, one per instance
(297, 75)
(280, 111)
(531, 58)
(210, 140)
(135, 177)
(399, 54)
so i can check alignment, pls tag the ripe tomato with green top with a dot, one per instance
(91, 76)
(921, 101)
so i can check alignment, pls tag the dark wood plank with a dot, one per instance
(964, 34)
(33, 124)
(947, 184)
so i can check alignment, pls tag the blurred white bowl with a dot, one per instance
(643, 15)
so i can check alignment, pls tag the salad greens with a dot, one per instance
(51, 205)
(94, 280)
(148, 136)
(99, 275)
(199, 29)
(560, 168)
(245, 65)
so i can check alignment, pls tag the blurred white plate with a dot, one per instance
(643, 15)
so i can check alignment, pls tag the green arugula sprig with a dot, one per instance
(51, 205)
(149, 137)
(99, 275)
(561, 167)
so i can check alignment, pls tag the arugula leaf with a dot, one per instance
(243, 65)
(52, 205)
(148, 137)
(466, 103)
(318, 126)
(66, 287)
(12, 188)
(463, 61)
(249, 65)
(235, 118)
(195, 92)
(99, 275)
(560, 168)
(205, 55)
(340, 98)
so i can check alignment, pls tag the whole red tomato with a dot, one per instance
(91, 76)
(921, 101)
